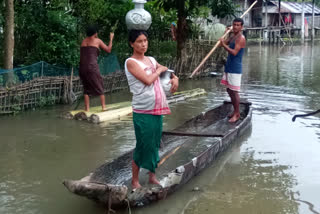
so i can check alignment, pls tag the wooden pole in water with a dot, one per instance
(71, 89)
(312, 22)
(302, 22)
(218, 43)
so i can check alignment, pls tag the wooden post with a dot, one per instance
(265, 32)
(71, 88)
(41, 69)
(245, 8)
(302, 22)
(266, 14)
(279, 13)
(312, 25)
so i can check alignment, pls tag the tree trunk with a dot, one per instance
(9, 41)
(182, 30)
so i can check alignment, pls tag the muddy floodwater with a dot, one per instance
(273, 168)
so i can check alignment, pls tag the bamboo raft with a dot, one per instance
(96, 115)
(123, 109)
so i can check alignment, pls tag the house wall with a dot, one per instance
(270, 17)
(296, 19)
(316, 20)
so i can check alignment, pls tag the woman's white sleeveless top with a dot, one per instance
(147, 99)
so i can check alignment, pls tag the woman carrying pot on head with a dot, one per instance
(149, 103)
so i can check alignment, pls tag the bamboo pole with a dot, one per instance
(168, 155)
(218, 43)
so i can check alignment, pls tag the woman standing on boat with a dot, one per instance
(149, 103)
(89, 69)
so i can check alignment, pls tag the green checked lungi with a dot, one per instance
(148, 130)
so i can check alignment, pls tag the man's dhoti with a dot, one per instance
(231, 81)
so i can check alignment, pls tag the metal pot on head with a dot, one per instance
(138, 18)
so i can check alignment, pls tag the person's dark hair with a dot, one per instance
(91, 30)
(238, 20)
(134, 34)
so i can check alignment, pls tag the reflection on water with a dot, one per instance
(255, 183)
(274, 168)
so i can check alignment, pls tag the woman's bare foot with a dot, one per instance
(104, 109)
(153, 179)
(231, 115)
(234, 118)
(135, 185)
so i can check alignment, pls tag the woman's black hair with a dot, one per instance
(91, 30)
(134, 34)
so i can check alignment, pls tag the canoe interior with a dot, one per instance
(215, 121)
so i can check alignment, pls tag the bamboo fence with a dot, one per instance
(51, 90)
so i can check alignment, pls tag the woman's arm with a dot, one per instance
(104, 46)
(161, 68)
(139, 73)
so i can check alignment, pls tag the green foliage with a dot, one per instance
(104, 14)
(2, 22)
(222, 8)
(161, 22)
(163, 51)
(16, 108)
(47, 101)
(188, 10)
(200, 8)
(45, 32)
(52, 30)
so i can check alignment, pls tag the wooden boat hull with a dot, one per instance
(110, 183)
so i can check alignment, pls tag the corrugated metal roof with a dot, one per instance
(296, 7)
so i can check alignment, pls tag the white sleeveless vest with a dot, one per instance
(147, 99)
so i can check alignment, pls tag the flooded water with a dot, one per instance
(273, 168)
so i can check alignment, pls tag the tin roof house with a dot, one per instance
(291, 13)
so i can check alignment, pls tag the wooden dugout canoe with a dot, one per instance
(182, 157)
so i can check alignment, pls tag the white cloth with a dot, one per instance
(231, 81)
